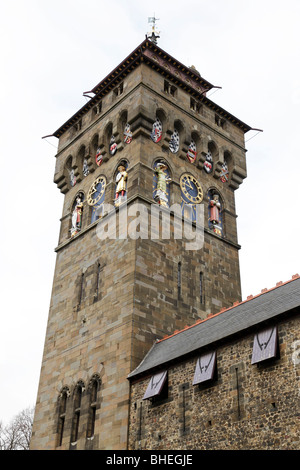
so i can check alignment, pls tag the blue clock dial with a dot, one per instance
(191, 190)
(96, 191)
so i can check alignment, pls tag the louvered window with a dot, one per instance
(265, 345)
(205, 368)
(156, 385)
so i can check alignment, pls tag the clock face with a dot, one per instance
(96, 191)
(191, 189)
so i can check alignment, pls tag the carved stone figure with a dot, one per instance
(77, 216)
(215, 214)
(215, 208)
(161, 193)
(121, 180)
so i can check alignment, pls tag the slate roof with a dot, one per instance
(265, 307)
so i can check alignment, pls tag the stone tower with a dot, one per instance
(148, 137)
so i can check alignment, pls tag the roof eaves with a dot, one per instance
(127, 65)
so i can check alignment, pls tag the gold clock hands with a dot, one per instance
(93, 190)
(189, 183)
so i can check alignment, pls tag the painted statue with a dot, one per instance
(161, 190)
(77, 216)
(215, 214)
(215, 208)
(121, 181)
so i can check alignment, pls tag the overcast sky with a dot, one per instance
(52, 52)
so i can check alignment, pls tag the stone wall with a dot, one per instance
(245, 407)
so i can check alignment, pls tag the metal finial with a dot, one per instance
(154, 33)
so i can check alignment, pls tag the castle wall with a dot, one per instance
(245, 407)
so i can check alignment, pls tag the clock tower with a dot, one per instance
(147, 152)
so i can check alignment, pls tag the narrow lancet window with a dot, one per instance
(76, 414)
(201, 289)
(81, 290)
(61, 417)
(179, 280)
(98, 281)
(92, 409)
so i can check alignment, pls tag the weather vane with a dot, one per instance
(154, 33)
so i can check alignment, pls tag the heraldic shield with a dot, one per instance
(156, 133)
(192, 152)
(224, 176)
(112, 146)
(208, 164)
(99, 157)
(174, 142)
(127, 134)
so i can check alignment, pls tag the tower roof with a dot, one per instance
(257, 310)
(153, 56)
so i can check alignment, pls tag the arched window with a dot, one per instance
(62, 415)
(83, 161)
(93, 391)
(76, 411)
(70, 172)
